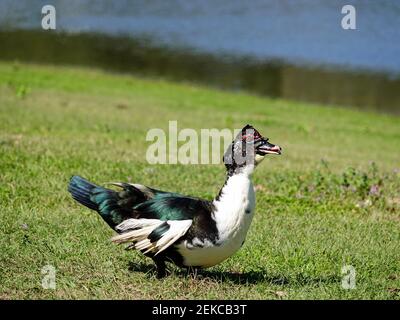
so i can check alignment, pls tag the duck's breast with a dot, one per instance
(233, 215)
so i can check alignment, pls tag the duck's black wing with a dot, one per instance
(164, 219)
(151, 219)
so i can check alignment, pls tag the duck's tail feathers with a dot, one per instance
(81, 190)
(151, 236)
(108, 203)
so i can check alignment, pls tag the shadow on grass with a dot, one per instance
(248, 277)
(141, 267)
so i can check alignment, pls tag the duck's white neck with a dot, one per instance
(235, 203)
(231, 185)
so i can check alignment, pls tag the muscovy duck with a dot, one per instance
(187, 231)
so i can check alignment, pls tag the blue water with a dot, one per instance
(297, 31)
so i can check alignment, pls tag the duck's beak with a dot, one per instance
(264, 147)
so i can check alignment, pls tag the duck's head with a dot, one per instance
(248, 149)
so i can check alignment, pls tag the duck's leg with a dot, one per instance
(193, 271)
(161, 268)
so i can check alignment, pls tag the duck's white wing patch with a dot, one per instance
(133, 224)
(177, 229)
(137, 231)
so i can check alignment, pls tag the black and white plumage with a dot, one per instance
(187, 231)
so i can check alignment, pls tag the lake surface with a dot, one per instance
(294, 49)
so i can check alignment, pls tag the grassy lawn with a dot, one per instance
(332, 198)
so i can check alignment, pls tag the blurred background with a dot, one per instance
(292, 49)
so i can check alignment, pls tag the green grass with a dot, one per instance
(332, 198)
